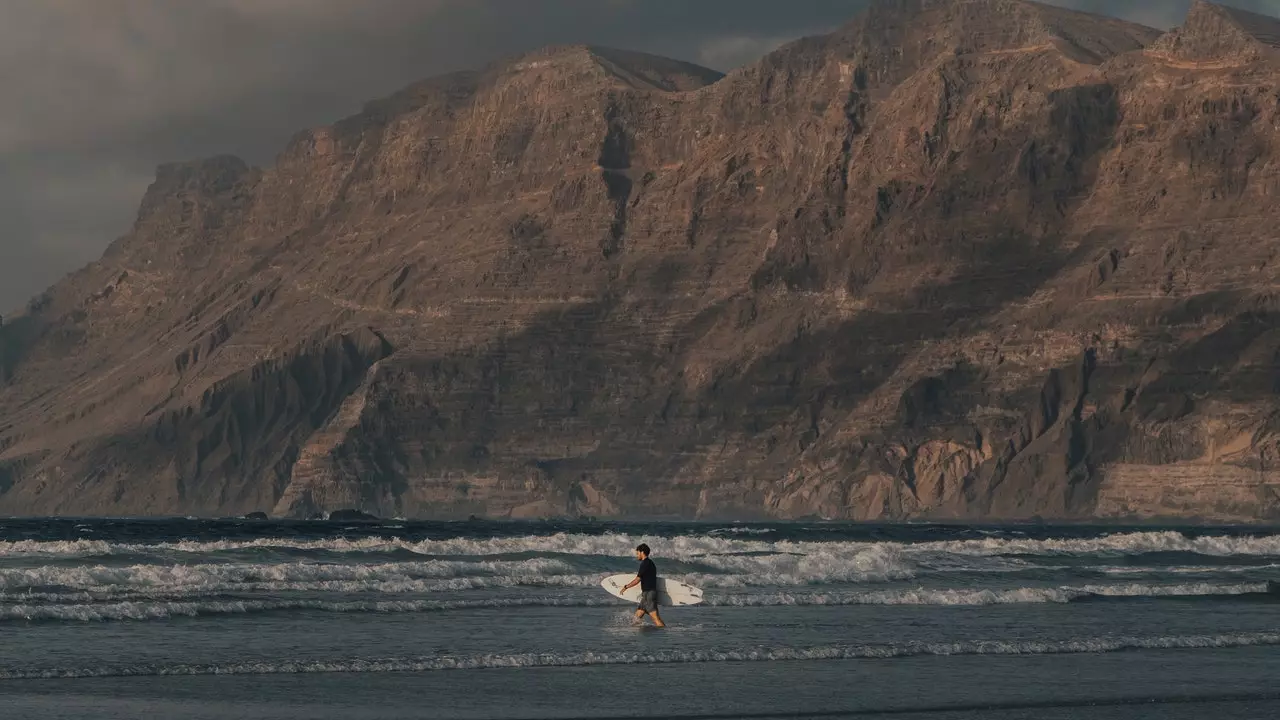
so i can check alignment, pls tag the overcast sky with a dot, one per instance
(96, 93)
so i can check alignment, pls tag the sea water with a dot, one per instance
(243, 619)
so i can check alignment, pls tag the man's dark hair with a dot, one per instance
(642, 548)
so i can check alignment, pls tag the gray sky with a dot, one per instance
(98, 92)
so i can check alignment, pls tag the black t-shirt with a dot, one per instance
(648, 575)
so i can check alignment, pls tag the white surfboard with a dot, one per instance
(670, 592)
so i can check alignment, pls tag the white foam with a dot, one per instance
(430, 576)
(981, 596)
(814, 563)
(1189, 590)
(57, 548)
(212, 588)
(822, 565)
(916, 596)
(607, 545)
(1185, 569)
(1117, 544)
(224, 574)
(575, 560)
(107, 604)
(383, 586)
(139, 611)
(679, 547)
(757, 654)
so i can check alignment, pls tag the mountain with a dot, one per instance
(971, 259)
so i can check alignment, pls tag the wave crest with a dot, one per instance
(718, 542)
(143, 606)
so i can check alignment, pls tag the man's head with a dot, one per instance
(642, 551)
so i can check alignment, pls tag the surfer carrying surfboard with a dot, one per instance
(647, 576)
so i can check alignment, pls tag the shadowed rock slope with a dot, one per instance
(961, 259)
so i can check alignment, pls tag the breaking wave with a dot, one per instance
(137, 611)
(405, 577)
(724, 561)
(1140, 543)
(91, 607)
(720, 542)
(539, 570)
(870, 564)
(665, 657)
(981, 597)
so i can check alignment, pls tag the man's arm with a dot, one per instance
(630, 585)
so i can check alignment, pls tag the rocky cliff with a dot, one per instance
(959, 259)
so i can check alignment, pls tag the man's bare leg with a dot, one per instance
(657, 620)
(638, 618)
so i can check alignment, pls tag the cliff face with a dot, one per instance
(981, 259)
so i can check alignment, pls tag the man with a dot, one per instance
(647, 576)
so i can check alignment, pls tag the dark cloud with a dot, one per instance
(98, 93)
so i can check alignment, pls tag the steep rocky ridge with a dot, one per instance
(1219, 34)
(958, 259)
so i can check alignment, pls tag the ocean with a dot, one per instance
(200, 619)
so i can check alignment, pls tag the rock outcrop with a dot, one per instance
(957, 260)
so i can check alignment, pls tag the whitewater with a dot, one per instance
(218, 609)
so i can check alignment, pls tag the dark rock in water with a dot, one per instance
(351, 515)
(257, 516)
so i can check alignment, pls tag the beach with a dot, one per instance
(223, 619)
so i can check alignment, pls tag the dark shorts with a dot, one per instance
(648, 601)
